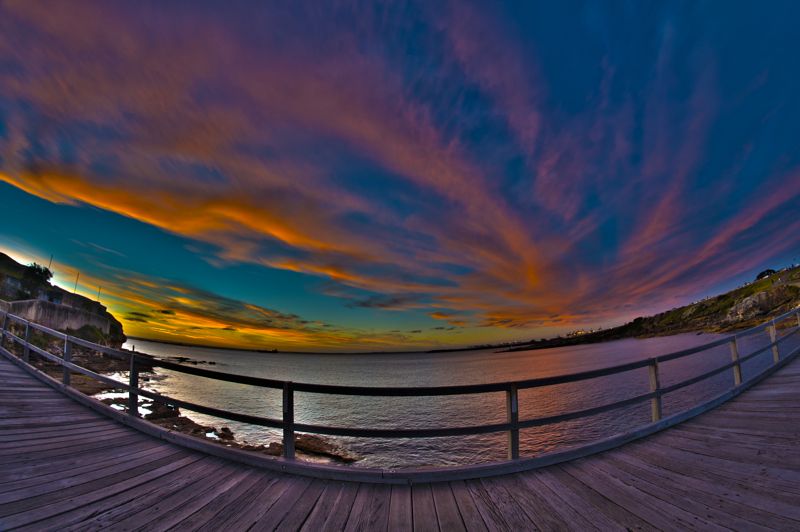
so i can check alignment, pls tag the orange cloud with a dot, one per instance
(248, 145)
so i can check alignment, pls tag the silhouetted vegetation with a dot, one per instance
(35, 278)
(765, 273)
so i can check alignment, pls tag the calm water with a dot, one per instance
(466, 367)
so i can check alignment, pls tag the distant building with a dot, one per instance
(579, 332)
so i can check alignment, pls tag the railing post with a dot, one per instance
(773, 337)
(67, 358)
(737, 368)
(26, 351)
(288, 421)
(512, 417)
(655, 387)
(133, 383)
(3, 333)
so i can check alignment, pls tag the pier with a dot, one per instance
(69, 462)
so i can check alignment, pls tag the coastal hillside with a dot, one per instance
(741, 308)
(27, 291)
(771, 294)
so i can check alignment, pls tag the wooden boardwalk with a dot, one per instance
(65, 467)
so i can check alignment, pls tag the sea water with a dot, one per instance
(439, 369)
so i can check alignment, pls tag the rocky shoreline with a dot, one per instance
(309, 447)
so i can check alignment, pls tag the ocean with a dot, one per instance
(460, 367)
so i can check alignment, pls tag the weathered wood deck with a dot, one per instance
(65, 467)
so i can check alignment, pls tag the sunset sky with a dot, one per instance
(402, 175)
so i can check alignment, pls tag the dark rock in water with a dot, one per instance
(225, 433)
(119, 401)
(273, 449)
(308, 444)
(161, 411)
(187, 360)
(312, 444)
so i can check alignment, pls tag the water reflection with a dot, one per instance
(466, 367)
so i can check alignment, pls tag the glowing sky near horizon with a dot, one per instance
(359, 176)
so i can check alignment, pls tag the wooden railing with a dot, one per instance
(511, 426)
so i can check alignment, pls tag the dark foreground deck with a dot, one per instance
(65, 467)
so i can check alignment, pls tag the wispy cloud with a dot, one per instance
(436, 161)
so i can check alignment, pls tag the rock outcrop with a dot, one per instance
(762, 303)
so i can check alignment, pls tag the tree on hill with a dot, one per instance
(765, 273)
(35, 277)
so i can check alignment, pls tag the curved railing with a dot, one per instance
(511, 426)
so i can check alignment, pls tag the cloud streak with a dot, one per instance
(438, 161)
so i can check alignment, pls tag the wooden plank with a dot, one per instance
(466, 507)
(713, 494)
(583, 498)
(327, 516)
(491, 513)
(298, 513)
(47, 444)
(724, 472)
(303, 494)
(38, 421)
(57, 433)
(112, 510)
(92, 483)
(50, 509)
(401, 517)
(362, 514)
(49, 429)
(57, 473)
(734, 434)
(376, 512)
(774, 456)
(764, 416)
(81, 449)
(743, 441)
(657, 512)
(423, 508)
(446, 508)
(36, 404)
(708, 516)
(66, 482)
(560, 505)
(243, 513)
(741, 465)
(26, 470)
(783, 446)
(204, 508)
(53, 437)
(742, 430)
(34, 410)
(537, 508)
(504, 503)
(158, 499)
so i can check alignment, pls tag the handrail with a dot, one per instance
(512, 425)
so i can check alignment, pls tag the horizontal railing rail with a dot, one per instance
(512, 425)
